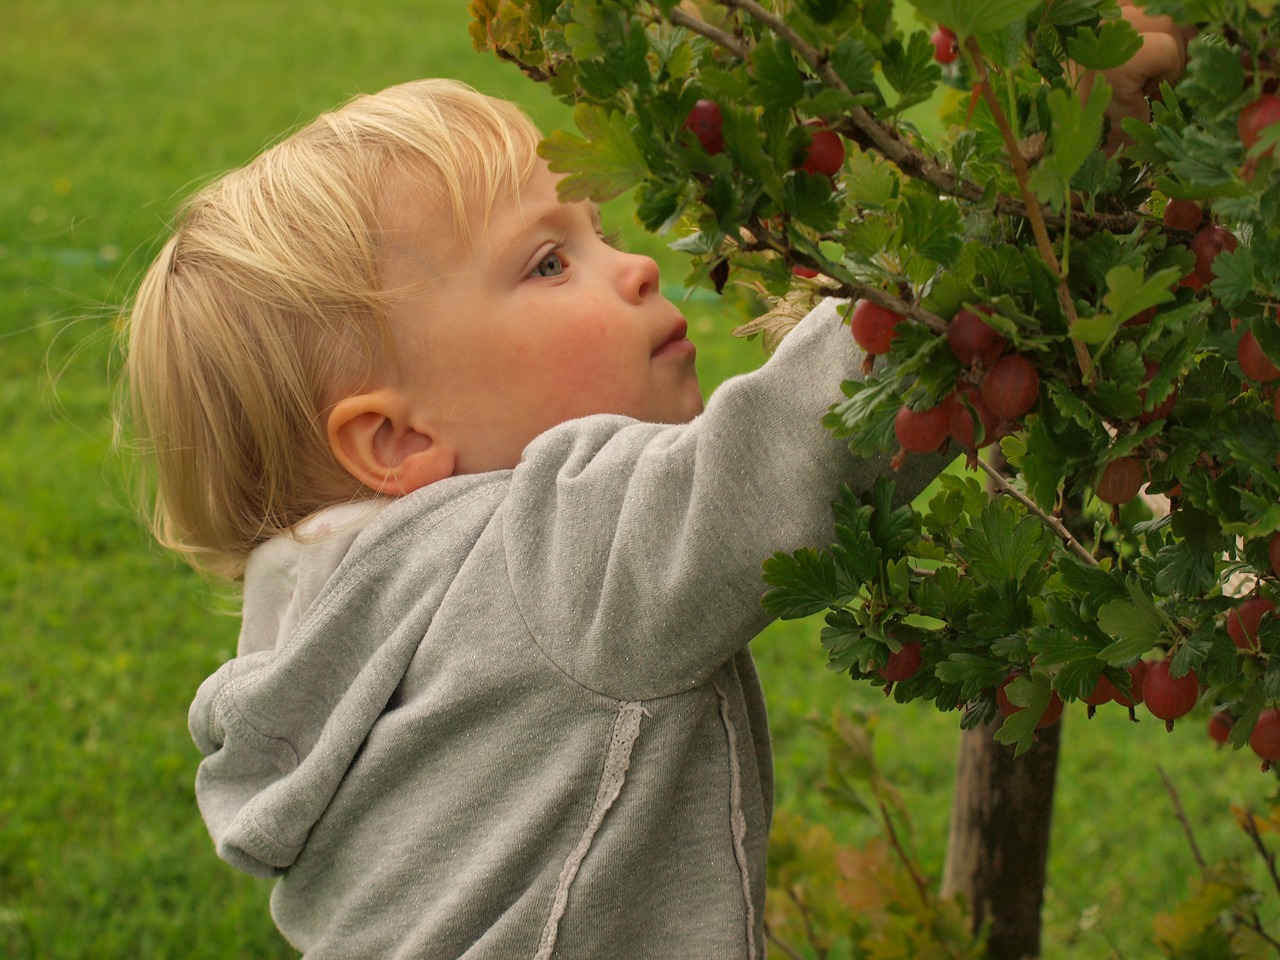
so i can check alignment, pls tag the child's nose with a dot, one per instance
(639, 276)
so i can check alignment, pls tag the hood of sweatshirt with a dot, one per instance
(285, 574)
(328, 632)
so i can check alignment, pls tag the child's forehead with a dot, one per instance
(416, 212)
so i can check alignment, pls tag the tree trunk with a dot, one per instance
(999, 842)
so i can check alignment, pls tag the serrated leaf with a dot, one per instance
(847, 643)
(930, 227)
(1129, 292)
(1134, 622)
(870, 181)
(972, 672)
(803, 583)
(910, 70)
(1110, 44)
(778, 83)
(1004, 544)
(967, 17)
(1184, 571)
(1077, 130)
(1233, 276)
(1033, 695)
(855, 64)
(600, 167)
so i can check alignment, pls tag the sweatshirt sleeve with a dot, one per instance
(635, 549)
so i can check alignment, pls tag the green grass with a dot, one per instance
(111, 113)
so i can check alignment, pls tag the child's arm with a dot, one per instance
(635, 550)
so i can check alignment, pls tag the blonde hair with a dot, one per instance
(265, 306)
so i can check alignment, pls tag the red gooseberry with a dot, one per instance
(945, 49)
(1243, 620)
(1182, 215)
(1207, 244)
(973, 340)
(873, 326)
(1255, 364)
(1120, 481)
(1011, 387)
(1265, 738)
(1219, 726)
(922, 431)
(1256, 117)
(968, 411)
(1169, 697)
(902, 664)
(706, 123)
(826, 151)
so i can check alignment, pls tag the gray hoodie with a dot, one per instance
(513, 715)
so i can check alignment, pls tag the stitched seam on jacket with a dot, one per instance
(626, 729)
(738, 820)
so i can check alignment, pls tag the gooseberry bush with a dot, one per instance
(1094, 330)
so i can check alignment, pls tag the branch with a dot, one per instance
(862, 127)
(1034, 214)
(922, 887)
(717, 36)
(1182, 818)
(1052, 522)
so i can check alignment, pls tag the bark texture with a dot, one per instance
(999, 842)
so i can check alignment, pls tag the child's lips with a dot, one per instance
(677, 342)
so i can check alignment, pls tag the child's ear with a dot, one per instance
(377, 439)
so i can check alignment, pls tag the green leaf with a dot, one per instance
(869, 181)
(847, 642)
(1184, 571)
(778, 82)
(931, 227)
(967, 17)
(803, 583)
(855, 64)
(1233, 280)
(972, 672)
(910, 70)
(1134, 622)
(1110, 44)
(1129, 292)
(1004, 544)
(604, 165)
(1032, 693)
(1077, 132)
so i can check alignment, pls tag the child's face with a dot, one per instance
(541, 323)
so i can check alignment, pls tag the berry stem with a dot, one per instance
(1052, 522)
(1035, 215)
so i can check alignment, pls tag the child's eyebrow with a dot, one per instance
(556, 216)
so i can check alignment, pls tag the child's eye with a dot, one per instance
(552, 265)
(613, 239)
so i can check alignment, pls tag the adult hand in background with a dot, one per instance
(1162, 58)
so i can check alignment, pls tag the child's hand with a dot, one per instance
(1162, 58)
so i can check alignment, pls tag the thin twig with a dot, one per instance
(1254, 923)
(862, 127)
(781, 944)
(717, 36)
(1035, 216)
(1182, 818)
(922, 887)
(1268, 857)
(1051, 521)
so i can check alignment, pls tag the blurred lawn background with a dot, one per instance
(110, 113)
